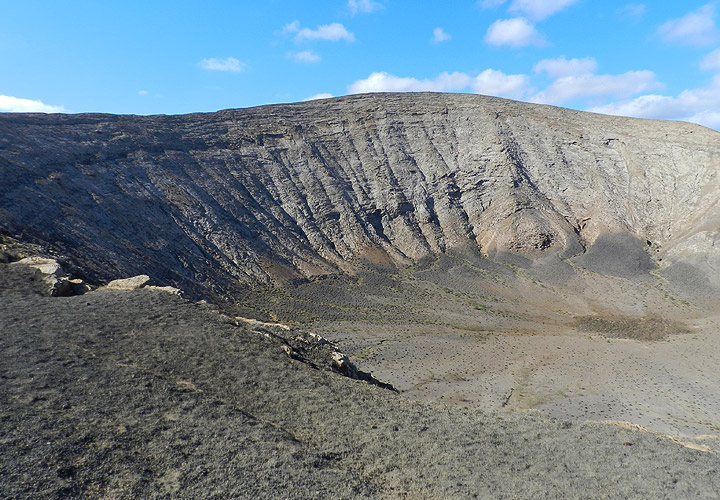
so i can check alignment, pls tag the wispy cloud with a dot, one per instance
(497, 83)
(228, 64)
(330, 32)
(440, 36)
(583, 86)
(695, 28)
(539, 9)
(561, 66)
(490, 82)
(17, 105)
(700, 105)
(572, 80)
(384, 82)
(632, 10)
(292, 27)
(711, 62)
(516, 32)
(324, 95)
(363, 6)
(535, 9)
(491, 4)
(305, 57)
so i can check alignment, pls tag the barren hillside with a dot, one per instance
(485, 257)
(208, 201)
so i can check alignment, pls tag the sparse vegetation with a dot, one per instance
(643, 328)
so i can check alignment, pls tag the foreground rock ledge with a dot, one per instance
(143, 395)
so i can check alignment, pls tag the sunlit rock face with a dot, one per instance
(216, 201)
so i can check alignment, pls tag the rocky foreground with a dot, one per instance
(142, 394)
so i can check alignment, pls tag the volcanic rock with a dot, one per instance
(134, 283)
(210, 202)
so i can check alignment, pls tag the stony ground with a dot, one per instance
(480, 335)
(141, 394)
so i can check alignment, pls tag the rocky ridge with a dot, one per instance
(209, 202)
(45, 276)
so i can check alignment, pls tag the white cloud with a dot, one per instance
(632, 10)
(536, 9)
(497, 83)
(568, 88)
(227, 64)
(646, 106)
(561, 66)
(490, 81)
(573, 80)
(440, 36)
(711, 61)
(696, 28)
(292, 27)
(324, 95)
(700, 105)
(710, 119)
(331, 32)
(363, 6)
(384, 82)
(516, 32)
(305, 57)
(143, 92)
(489, 4)
(17, 105)
(539, 9)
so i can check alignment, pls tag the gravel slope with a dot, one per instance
(143, 395)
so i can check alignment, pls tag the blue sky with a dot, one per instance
(657, 59)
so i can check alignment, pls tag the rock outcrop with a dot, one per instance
(51, 278)
(210, 202)
(129, 284)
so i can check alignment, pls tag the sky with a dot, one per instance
(658, 59)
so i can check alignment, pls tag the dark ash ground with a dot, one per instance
(144, 395)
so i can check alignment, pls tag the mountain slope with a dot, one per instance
(207, 202)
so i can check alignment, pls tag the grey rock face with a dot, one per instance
(210, 202)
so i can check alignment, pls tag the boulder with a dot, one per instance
(167, 289)
(129, 284)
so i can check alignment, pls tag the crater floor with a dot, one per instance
(140, 394)
(507, 338)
